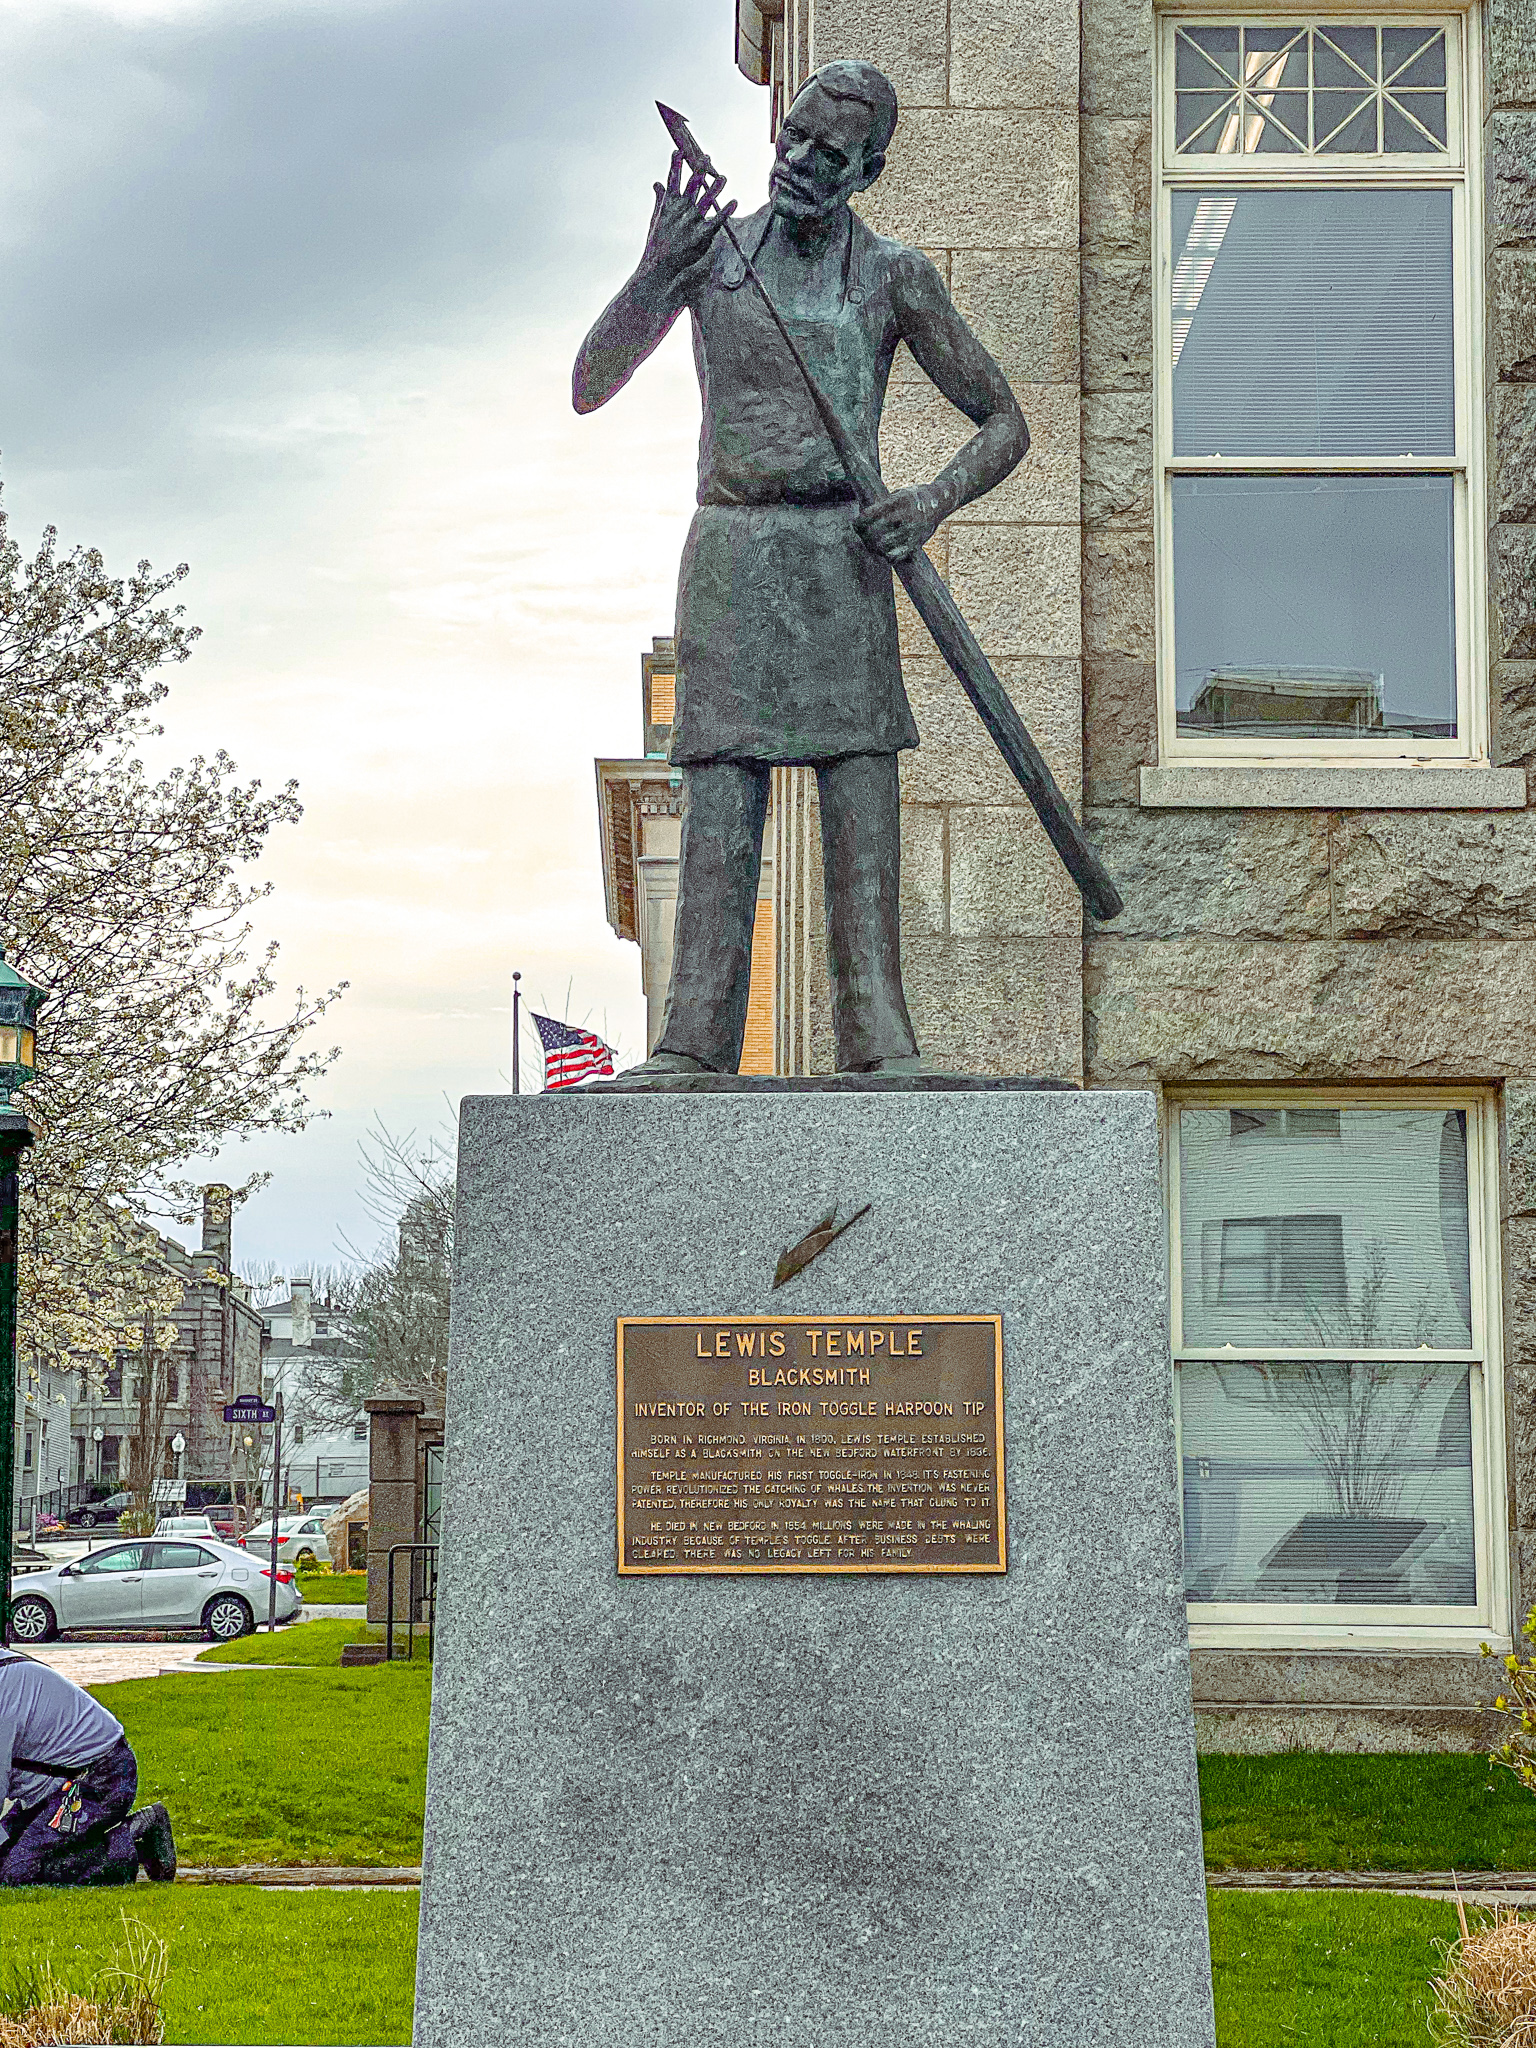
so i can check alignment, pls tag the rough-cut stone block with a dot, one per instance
(1118, 592)
(1018, 587)
(1236, 874)
(1512, 559)
(1512, 315)
(1434, 875)
(1006, 878)
(1520, 1165)
(905, 38)
(1013, 53)
(1210, 1010)
(957, 761)
(1510, 141)
(1513, 493)
(922, 431)
(1117, 458)
(684, 1812)
(1117, 323)
(1120, 726)
(968, 178)
(997, 1006)
(1509, 53)
(1513, 686)
(1022, 306)
(1117, 57)
(924, 908)
(1117, 183)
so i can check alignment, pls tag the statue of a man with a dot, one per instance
(786, 616)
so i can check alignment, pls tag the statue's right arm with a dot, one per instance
(671, 273)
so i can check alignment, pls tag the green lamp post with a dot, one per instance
(19, 999)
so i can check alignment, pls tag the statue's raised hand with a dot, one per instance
(683, 229)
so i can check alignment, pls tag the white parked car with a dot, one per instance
(186, 1525)
(300, 1539)
(151, 1583)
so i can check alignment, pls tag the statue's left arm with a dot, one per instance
(962, 369)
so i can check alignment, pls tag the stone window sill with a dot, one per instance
(1213, 786)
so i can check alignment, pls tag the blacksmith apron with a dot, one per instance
(786, 622)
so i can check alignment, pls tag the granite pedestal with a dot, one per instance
(811, 1811)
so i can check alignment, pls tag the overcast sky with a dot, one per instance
(293, 293)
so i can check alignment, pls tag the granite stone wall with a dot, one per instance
(1331, 944)
(983, 175)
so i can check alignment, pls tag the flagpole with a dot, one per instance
(517, 997)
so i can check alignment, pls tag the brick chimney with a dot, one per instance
(218, 1201)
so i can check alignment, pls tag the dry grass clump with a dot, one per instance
(39, 2009)
(1487, 1995)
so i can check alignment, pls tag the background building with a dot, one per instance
(216, 1356)
(1263, 591)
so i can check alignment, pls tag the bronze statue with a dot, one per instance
(786, 624)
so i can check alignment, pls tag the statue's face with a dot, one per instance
(820, 160)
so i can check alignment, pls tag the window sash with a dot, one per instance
(1465, 467)
(1257, 1624)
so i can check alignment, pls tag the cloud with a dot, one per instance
(292, 293)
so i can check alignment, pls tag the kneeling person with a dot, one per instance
(70, 1780)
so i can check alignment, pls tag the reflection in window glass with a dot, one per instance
(1356, 89)
(1312, 323)
(1311, 607)
(1293, 1241)
(1328, 1483)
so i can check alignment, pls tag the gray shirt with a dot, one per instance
(49, 1720)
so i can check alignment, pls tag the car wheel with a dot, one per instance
(87, 1520)
(226, 1616)
(32, 1620)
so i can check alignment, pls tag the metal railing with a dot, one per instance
(423, 1594)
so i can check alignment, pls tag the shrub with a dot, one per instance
(1517, 1753)
(120, 2004)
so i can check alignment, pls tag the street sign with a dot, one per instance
(249, 1409)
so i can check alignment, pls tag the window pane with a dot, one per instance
(128, 1559)
(1349, 1236)
(1313, 323)
(1345, 1484)
(1315, 607)
(1363, 81)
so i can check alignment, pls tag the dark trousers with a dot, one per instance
(100, 1849)
(725, 804)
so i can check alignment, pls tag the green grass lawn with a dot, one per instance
(304, 1766)
(245, 1965)
(331, 1589)
(1324, 1969)
(1299, 1971)
(309, 1643)
(1306, 1811)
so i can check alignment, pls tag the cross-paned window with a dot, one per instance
(1318, 393)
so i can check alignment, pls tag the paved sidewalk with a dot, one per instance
(104, 1659)
(1473, 1887)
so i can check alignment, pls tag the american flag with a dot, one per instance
(570, 1055)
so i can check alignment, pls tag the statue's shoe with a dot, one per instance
(662, 1066)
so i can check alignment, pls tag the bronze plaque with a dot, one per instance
(811, 1444)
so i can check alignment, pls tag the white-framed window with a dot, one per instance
(1338, 1385)
(1319, 406)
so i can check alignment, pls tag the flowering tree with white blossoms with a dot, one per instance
(122, 894)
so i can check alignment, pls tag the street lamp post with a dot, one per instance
(19, 999)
